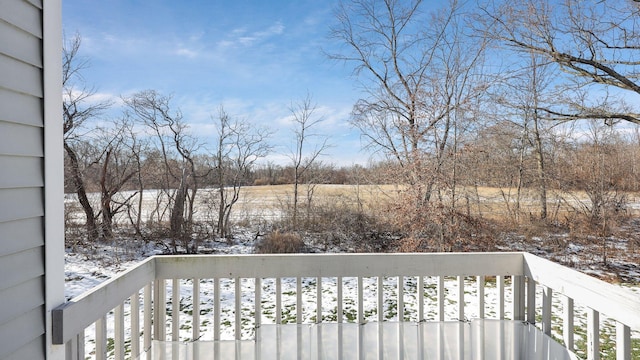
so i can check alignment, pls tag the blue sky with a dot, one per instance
(252, 57)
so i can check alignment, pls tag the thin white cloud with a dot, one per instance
(240, 36)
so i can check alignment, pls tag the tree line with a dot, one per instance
(524, 96)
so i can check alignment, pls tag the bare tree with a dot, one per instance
(302, 159)
(78, 108)
(422, 80)
(177, 147)
(239, 145)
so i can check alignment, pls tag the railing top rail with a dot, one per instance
(70, 318)
(334, 265)
(622, 305)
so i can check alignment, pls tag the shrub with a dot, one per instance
(280, 243)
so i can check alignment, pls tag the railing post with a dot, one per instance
(500, 288)
(531, 301)
(159, 311)
(147, 327)
(623, 342)
(517, 282)
(195, 314)
(175, 310)
(567, 323)
(461, 298)
(420, 298)
(593, 335)
(547, 297)
(481, 281)
(440, 293)
(134, 306)
(74, 348)
(101, 338)
(118, 341)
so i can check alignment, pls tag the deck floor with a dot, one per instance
(478, 339)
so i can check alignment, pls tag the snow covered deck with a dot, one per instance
(350, 306)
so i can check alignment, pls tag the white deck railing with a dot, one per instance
(182, 298)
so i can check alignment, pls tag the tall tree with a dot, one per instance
(238, 146)
(421, 77)
(177, 147)
(78, 109)
(305, 119)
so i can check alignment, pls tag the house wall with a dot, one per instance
(26, 294)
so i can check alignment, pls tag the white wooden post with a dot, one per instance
(134, 307)
(500, 288)
(623, 342)
(517, 282)
(400, 298)
(118, 341)
(340, 298)
(480, 279)
(318, 300)
(567, 323)
(147, 320)
(258, 302)
(159, 310)
(101, 338)
(195, 306)
(440, 292)
(380, 299)
(175, 310)
(531, 301)
(420, 299)
(238, 307)
(593, 335)
(461, 298)
(216, 308)
(547, 297)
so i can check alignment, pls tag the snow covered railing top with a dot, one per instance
(71, 319)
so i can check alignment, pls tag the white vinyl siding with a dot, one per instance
(22, 242)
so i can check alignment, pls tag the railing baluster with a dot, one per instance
(298, 300)
(216, 308)
(593, 334)
(339, 314)
(380, 299)
(134, 307)
(318, 300)
(420, 298)
(461, 298)
(118, 336)
(74, 348)
(440, 292)
(195, 307)
(258, 301)
(623, 341)
(159, 310)
(101, 338)
(567, 323)
(500, 288)
(175, 310)
(278, 301)
(517, 282)
(238, 308)
(146, 342)
(400, 298)
(531, 301)
(547, 297)
(480, 280)
(360, 301)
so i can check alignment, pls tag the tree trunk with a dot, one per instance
(92, 228)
